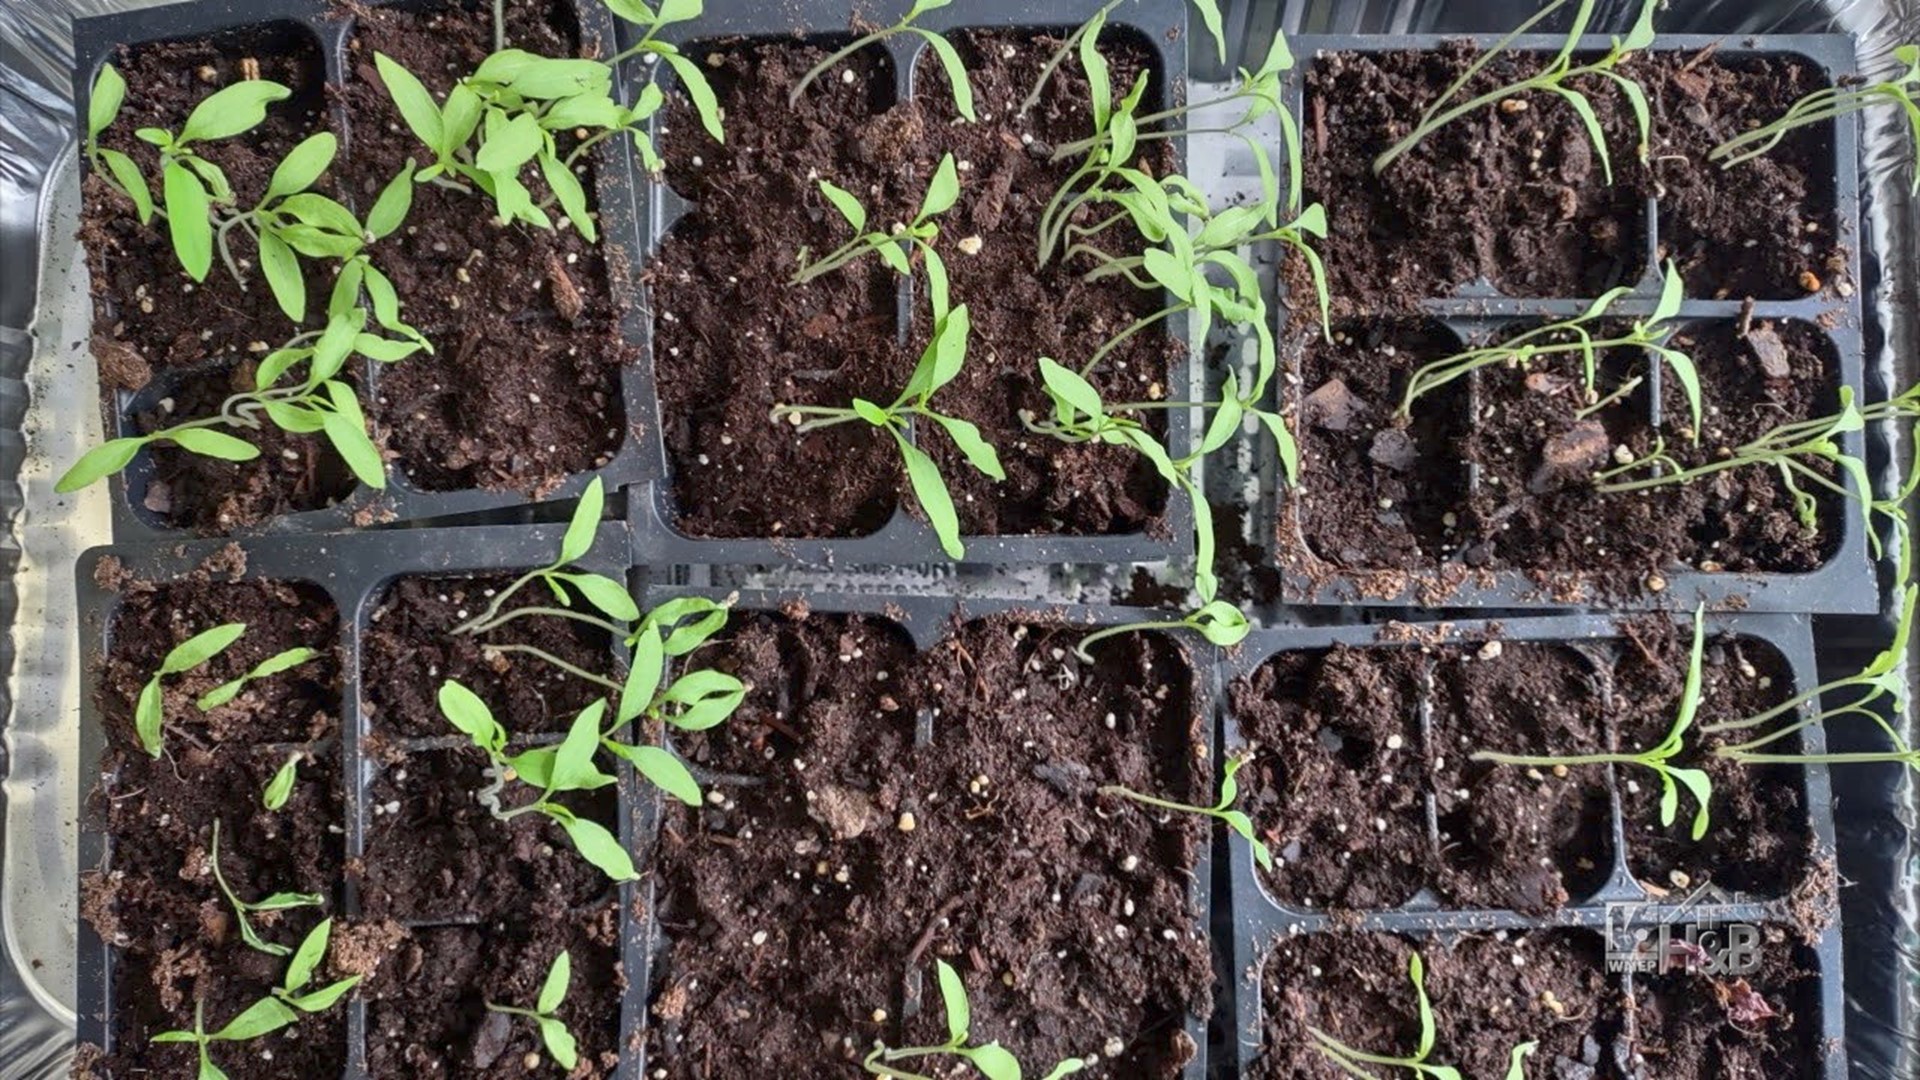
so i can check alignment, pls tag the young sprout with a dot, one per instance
(939, 364)
(1832, 103)
(1792, 448)
(271, 666)
(1080, 416)
(603, 594)
(551, 770)
(270, 1013)
(320, 403)
(1556, 78)
(182, 658)
(1218, 621)
(553, 1031)
(691, 77)
(283, 901)
(695, 701)
(1354, 1061)
(949, 59)
(1576, 335)
(993, 1061)
(895, 247)
(1659, 758)
(1222, 808)
(280, 788)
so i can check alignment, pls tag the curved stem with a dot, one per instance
(542, 654)
(854, 46)
(1139, 325)
(226, 252)
(499, 600)
(1114, 631)
(1164, 804)
(1534, 761)
(555, 612)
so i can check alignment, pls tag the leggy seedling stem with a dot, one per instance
(949, 59)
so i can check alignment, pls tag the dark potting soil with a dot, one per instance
(843, 857)
(1489, 993)
(1692, 1024)
(1762, 227)
(1376, 494)
(434, 852)
(1514, 194)
(523, 386)
(838, 337)
(1528, 839)
(176, 940)
(298, 705)
(427, 1008)
(410, 652)
(1337, 787)
(1759, 840)
(150, 316)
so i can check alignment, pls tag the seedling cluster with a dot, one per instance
(896, 245)
(1831, 103)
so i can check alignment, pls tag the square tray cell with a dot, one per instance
(950, 808)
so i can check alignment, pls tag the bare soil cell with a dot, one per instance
(722, 279)
(1489, 993)
(844, 856)
(427, 1014)
(1765, 1024)
(410, 654)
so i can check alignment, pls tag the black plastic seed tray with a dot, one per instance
(1842, 585)
(1159, 25)
(353, 570)
(331, 27)
(1619, 906)
(927, 620)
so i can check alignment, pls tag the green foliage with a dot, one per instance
(1577, 335)
(599, 593)
(1556, 78)
(553, 1032)
(148, 709)
(280, 788)
(1832, 103)
(942, 50)
(895, 247)
(550, 770)
(268, 1015)
(272, 665)
(1354, 1061)
(695, 701)
(945, 355)
(320, 403)
(1219, 622)
(1659, 758)
(993, 1061)
(284, 901)
(1222, 808)
(689, 73)
(190, 184)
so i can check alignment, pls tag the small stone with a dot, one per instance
(848, 77)
(1332, 406)
(907, 822)
(759, 937)
(879, 1016)
(1770, 351)
(971, 245)
(1810, 281)
(1514, 105)
(1656, 583)
(1490, 651)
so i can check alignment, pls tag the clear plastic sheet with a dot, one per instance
(47, 414)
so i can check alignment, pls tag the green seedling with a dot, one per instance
(993, 1061)
(280, 788)
(1355, 1062)
(653, 49)
(1222, 808)
(1577, 336)
(949, 59)
(695, 701)
(284, 901)
(1068, 45)
(148, 712)
(553, 1031)
(270, 1013)
(550, 770)
(894, 246)
(1659, 758)
(1556, 78)
(612, 608)
(1219, 622)
(321, 403)
(272, 665)
(945, 354)
(1119, 129)
(1080, 416)
(1833, 103)
(1794, 449)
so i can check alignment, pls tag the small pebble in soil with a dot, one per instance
(1395, 742)
(848, 76)
(879, 1016)
(1490, 651)
(1656, 583)
(907, 822)
(1681, 879)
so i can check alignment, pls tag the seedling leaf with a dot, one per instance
(704, 102)
(584, 523)
(709, 697)
(262, 1017)
(604, 593)
(414, 102)
(994, 1061)
(663, 770)
(953, 995)
(643, 674)
(307, 957)
(282, 270)
(979, 452)
(281, 786)
(148, 715)
(103, 460)
(128, 174)
(466, 712)
(187, 225)
(302, 165)
(232, 110)
(272, 665)
(554, 989)
(956, 72)
(598, 846)
(942, 191)
(103, 104)
(845, 202)
(559, 1043)
(201, 647)
(931, 492)
(1210, 15)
